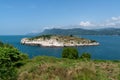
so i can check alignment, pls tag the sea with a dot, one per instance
(109, 48)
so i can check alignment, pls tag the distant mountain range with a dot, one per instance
(80, 31)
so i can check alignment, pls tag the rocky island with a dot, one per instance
(58, 41)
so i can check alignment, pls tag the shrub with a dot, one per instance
(1, 44)
(41, 36)
(93, 41)
(85, 56)
(71, 35)
(69, 52)
(9, 59)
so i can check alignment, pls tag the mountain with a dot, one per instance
(79, 31)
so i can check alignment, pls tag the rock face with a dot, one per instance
(58, 41)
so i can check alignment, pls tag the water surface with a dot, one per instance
(108, 49)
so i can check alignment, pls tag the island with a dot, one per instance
(58, 41)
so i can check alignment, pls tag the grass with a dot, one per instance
(50, 68)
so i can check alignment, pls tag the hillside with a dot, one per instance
(79, 31)
(58, 41)
(50, 68)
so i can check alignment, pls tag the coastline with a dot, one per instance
(54, 43)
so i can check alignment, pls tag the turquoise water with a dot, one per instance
(109, 48)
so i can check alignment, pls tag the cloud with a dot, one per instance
(112, 22)
(86, 23)
(115, 18)
(51, 26)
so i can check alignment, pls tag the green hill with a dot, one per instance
(79, 31)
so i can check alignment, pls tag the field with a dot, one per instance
(51, 68)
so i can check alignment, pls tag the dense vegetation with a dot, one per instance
(10, 60)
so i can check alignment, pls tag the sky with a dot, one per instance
(19, 17)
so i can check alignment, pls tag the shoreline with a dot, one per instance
(54, 43)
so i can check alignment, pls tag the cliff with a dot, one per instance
(58, 41)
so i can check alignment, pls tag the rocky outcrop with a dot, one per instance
(58, 41)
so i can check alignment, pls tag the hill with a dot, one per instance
(50, 68)
(79, 31)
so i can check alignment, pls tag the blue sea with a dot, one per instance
(109, 48)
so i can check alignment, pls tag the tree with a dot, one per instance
(69, 52)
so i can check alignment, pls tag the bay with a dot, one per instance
(109, 48)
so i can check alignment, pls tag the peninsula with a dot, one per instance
(58, 41)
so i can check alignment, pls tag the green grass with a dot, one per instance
(51, 68)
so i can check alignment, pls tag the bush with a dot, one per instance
(69, 52)
(71, 35)
(41, 36)
(9, 59)
(85, 56)
(1, 44)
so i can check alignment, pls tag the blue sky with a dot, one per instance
(25, 16)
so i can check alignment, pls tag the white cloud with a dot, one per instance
(112, 22)
(86, 23)
(52, 26)
(115, 18)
